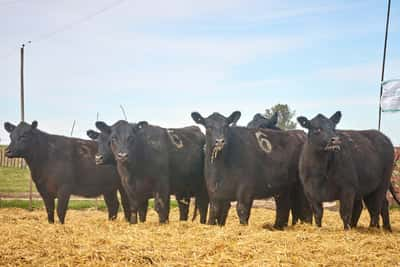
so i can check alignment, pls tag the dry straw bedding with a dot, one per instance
(88, 238)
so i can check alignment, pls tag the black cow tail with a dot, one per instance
(391, 188)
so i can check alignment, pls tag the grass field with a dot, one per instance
(88, 239)
(13, 180)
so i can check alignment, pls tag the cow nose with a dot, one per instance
(122, 156)
(99, 158)
(219, 141)
(335, 139)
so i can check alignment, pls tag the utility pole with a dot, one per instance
(22, 84)
(383, 64)
(23, 115)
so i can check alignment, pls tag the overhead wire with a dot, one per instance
(67, 26)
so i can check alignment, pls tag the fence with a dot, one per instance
(7, 162)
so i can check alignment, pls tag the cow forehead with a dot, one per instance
(22, 128)
(216, 119)
(123, 128)
(321, 121)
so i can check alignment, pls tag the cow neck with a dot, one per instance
(322, 160)
(39, 154)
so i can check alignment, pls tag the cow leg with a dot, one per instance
(125, 203)
(202, 205)
(183, 204)
(318, 211)
(346, 208)
(385, 215)
(112, 204)
(63, 195)
(283, 202)
(143, 210)
(243, 211)
(295, 204)
(374, 205)
(214, 210)
(162, 201)
(48, 203)
(225, 205)
(357, 208)
(305, 211)
(244, 204)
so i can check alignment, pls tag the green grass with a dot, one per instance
(14, 180)
(38, 204)
(73, 204)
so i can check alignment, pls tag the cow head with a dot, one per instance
(104, 154)
(322, 131)
(217, 127)
(23, 138)
(123, 139)
(260, 121)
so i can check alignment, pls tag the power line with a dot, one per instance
(65, 27)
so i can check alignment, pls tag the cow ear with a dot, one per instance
(103, 127)
(198, 118)
(304, 122)
(274, 119)
(336, 117)
(234, 117)
(34, 125)
(142, 124)
(92, 134)
(9, 127)
(258, 116)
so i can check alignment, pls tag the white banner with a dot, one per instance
(390, 100)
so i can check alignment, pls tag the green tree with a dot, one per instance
(285, 116)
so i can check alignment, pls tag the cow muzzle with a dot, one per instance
(334, 144)
(9, 153)
(122, 156)
(219, 145)
(99, 159)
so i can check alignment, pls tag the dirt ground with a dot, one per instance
(88, 239)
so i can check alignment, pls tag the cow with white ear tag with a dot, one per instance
(243, 164)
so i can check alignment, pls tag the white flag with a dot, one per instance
(390, 100)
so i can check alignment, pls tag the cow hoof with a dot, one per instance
(387, 229)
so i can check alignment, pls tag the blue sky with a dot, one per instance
(164, 59)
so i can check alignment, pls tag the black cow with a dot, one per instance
(260, 121)
(164, 161)
(62, 166)
(300, 207)
(348, 166)
(244, 164)
(105, 156)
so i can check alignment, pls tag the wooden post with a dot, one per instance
(73, 127)
(383, 64)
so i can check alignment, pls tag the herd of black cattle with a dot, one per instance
(228, 163)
